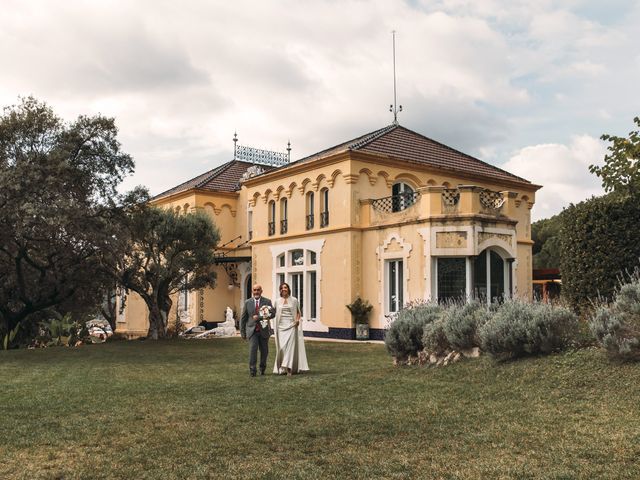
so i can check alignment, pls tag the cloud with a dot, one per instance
(562, 170)
(484, 77)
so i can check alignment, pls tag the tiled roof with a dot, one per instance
(403, 144)
(224, 178)
(399, 143)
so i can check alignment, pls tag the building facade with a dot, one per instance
(391, 216)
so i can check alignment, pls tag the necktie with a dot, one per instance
(258, 313)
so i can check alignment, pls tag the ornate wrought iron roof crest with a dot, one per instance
(258, 156)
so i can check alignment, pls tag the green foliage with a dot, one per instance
(617, 327)
(58, 192)
(518, 329)
(546, 249)
(461, 324)
(360, 310)
(434, 338)
(166, 252)
(10, 337)
(404, 337)
(621, 169)
(62, 331)
(599, 243)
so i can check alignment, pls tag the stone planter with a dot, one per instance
(362, 331)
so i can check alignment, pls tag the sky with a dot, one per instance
(528, 86)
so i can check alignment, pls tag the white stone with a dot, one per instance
(471, 353)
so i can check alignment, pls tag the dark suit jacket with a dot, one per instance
(247, 323)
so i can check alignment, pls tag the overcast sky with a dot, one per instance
(527, 85)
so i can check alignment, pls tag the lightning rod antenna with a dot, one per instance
(395, 108)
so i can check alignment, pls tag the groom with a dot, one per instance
(251, 329)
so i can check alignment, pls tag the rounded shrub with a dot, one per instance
(434, 339)
(519, 328)
(461, 324)
(404, 337)
(617, 327)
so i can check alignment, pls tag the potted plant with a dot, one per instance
(360, 310)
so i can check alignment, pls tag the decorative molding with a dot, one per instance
(332, 180)
(350, 178)
(387, 180)
(451, 239)
(484, 236)
(372, 178)
(303, 185)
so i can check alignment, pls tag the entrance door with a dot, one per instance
(248, 293)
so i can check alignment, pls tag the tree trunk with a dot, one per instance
(108, 309)
(155, 323)
(158, 315)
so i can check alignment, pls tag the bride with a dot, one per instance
(291, 356)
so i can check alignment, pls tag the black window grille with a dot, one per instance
(452, 276)
(324, 219)
(283, 226)
(309, 222)
(272, 228)
(395, 203)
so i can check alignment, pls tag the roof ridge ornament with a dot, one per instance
(259, 156)
(394, 108)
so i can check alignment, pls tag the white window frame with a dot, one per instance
(384, 255)
(399, 301)
(315, 246)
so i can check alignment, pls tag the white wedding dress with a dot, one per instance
(290, 350)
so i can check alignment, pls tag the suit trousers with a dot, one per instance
(257, 341)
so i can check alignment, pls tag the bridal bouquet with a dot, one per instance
(265, 314)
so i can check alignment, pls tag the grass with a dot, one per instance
(188, 409)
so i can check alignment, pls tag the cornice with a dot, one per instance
(392, 161)
(444, 219)
(191, 192)
(295, 169)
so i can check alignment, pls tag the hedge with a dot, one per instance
(599, 243)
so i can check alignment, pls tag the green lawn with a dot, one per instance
(188, 409)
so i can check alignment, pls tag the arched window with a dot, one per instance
(402, 196)
(324, 207)
(272, 217)
(283, 216)
(310, 209)
(489, 273)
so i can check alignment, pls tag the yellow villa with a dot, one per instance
(391, 216)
